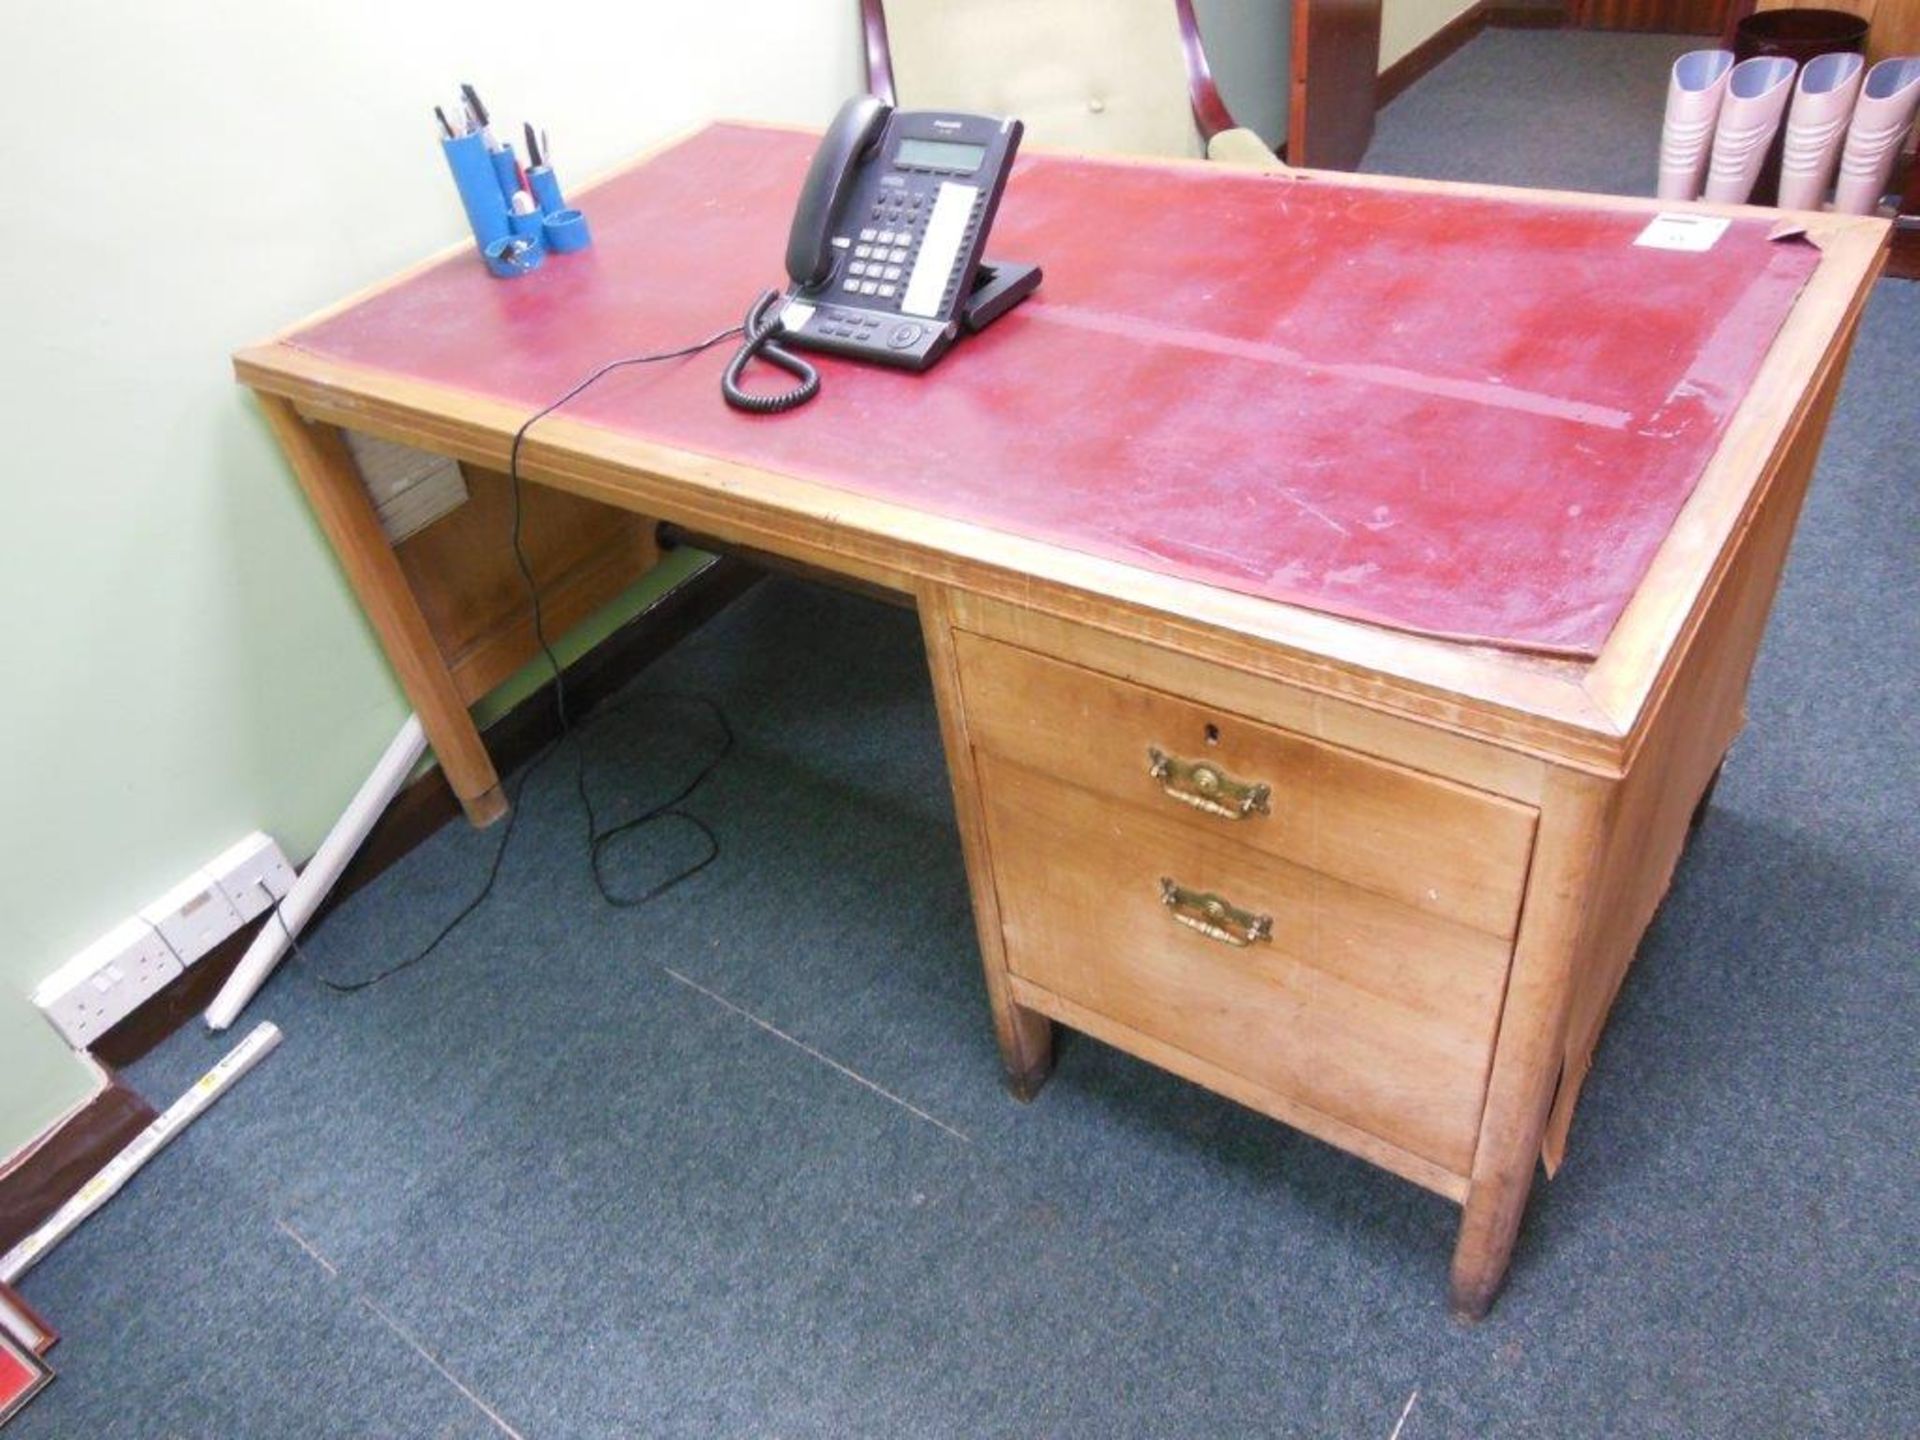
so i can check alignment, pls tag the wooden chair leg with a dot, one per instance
(1025, 1036)
(326, 470)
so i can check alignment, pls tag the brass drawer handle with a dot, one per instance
(1213, 916)
(1207, 787)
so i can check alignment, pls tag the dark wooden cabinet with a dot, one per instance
(1336, 57)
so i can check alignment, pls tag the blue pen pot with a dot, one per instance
(546, 189)
(528, 227)
(479, 187)
(566, 232)
(506, 170)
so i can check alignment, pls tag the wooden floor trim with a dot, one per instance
(68, 1158)
(1526, 17)
(1399, 77)
(429, 802)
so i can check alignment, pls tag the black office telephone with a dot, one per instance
(886, 252)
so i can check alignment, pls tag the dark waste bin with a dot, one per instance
(1800, 35)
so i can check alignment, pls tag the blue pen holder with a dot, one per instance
(566, 232)
(506, 170)
(529, 228)
(479, 187)
(546, 189)
(512, 256)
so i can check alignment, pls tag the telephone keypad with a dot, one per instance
(905, 219)
(884, 249)
(878, 262)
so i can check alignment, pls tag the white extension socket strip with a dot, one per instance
(99, 987)
(253, 875)
(108, 980)
(193, 917)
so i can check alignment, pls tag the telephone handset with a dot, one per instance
(830, 179)
(886, 254)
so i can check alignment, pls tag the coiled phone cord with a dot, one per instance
(762, 328)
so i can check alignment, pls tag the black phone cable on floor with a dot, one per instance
(597, 840)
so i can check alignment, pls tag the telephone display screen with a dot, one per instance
(940, 154)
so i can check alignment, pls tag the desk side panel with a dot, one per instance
(1689, 734)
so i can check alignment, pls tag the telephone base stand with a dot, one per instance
(998, 286)
(817, 320)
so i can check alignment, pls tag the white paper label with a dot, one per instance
(1682, 232)
(794, 316)
(939, 249)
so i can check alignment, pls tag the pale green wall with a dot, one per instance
(1406, 23)
(185, 663)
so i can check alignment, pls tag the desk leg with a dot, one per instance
(326, 471)
(1533, 1028)
(1025, 1036)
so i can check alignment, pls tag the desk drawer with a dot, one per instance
(1452, 852)
(1360, 1007)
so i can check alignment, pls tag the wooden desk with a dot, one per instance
(1175, 530)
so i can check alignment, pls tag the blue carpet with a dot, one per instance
(739, 1164)
(1548, 109)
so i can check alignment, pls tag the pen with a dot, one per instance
(475, 125)
(482, 121)
(540, 177)
(445, 124)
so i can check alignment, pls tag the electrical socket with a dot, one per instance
(253, 875)
(101, 985)
(105, 982)
(193, 917)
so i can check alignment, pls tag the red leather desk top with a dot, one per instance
(1467, 417)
